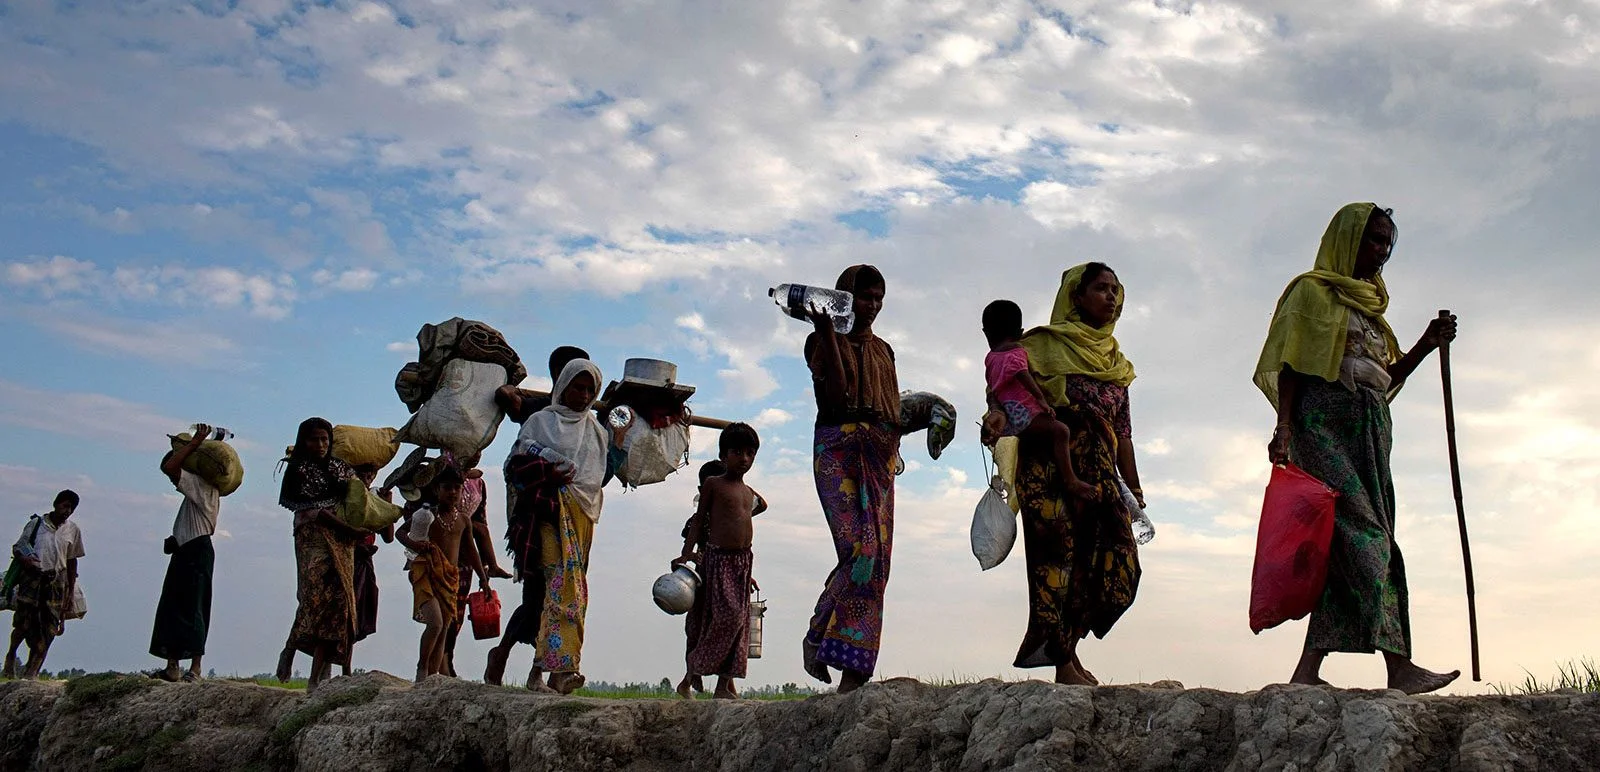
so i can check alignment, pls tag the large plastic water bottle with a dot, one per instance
(796, 300)
(1143, 529)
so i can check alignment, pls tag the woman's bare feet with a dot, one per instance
(285, 665)
(494, 671)
(1078, 663)
(1411, 679)
(1308, 671)
(1070, 675)
(567, 683)
(536, 681)
(852, 680)
(684, 686)
(725, 690)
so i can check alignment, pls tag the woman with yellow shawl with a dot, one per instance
(1083, 562)
(1329, 367)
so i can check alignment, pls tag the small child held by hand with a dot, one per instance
(1017, 406)
(718, 539)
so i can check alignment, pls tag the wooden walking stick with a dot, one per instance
(1455, 484)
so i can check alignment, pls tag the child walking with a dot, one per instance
(1017, 406)
(438, 533)
(718, 541)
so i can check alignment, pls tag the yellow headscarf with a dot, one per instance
(1069, 346)
(1313, 316)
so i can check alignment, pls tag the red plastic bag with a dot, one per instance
(1291, 548)
(484, 608)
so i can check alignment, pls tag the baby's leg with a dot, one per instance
(1044, 427)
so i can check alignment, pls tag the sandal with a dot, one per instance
(190, 677)
(161, 674)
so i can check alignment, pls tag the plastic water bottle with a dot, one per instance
(217, 433)
(1143, 529)
(421, 521)
(797, 299)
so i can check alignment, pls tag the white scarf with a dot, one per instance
(576, 434)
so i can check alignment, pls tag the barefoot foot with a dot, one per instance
(1412, 679)
(1070, 675)
(494, 671)
(852, 680)
(285, 666)
(684, 686)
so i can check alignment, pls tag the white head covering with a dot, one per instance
(576, 434)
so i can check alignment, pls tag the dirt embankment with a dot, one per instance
(376, 722)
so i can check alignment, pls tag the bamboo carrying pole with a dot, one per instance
(1455, 484)
(703, 422)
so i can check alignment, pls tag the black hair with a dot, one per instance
(68, 496)
(738, 436)
(1002, 321)
(303, 435)
(712, 468)
(1091, 272)
(561, 356)
(868, 278)
(447, 474)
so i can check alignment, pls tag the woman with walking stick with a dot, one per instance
(1329, 367)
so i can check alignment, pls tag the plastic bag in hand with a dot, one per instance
(1291, 548)
(994, 526)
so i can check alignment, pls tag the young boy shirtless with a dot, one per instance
(434, 575)
(718, 541)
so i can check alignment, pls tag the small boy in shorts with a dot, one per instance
(1017, 406)
(718, 541)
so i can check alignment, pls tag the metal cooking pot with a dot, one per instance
(674, 592)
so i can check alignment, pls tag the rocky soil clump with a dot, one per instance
(377, 722)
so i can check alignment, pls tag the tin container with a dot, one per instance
(758, 609)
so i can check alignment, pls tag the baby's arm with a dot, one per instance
(761, 503)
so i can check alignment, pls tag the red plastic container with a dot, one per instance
(484, 609)
(1291, 548)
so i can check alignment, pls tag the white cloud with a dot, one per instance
(771, 418)
(87, 416)
(269, 296)
(353, 280)
(184, 341)
(57, 275)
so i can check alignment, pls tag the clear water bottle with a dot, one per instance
(796, 300)
(217, 433)
(1143, 529)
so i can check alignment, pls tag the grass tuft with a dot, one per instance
(101, 688)
(1582, 675)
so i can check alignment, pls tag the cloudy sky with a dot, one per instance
(240, 213)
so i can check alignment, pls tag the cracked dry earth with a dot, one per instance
(377, 722)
